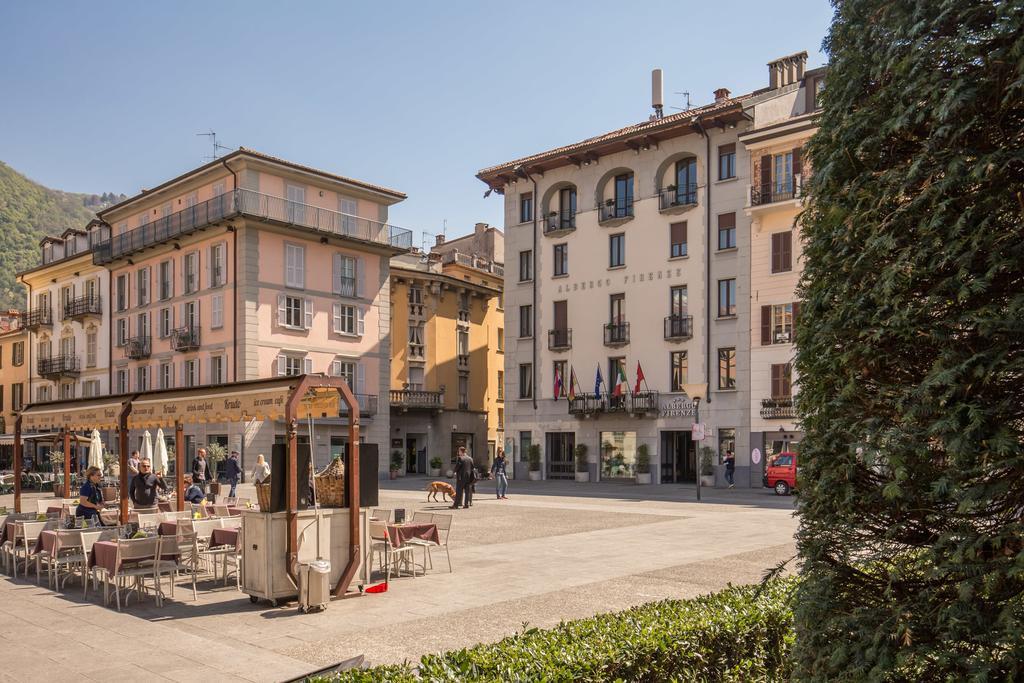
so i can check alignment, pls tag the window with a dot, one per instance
(17, 396)
(783, 172)
(18, 353)
(678, 301)
(165, 323)
(567, 207)
(464, 301)
(346, 370)
(43, 393)
(782, 251)
(191, 314)
(561, 259)
(191, 272)
(727, 231)
(216, 369)
(501, 340)
(501, 385)
(623, 195)
(727, 161)
(415, 378)
(686, 181)
(90, 388)
(726, 442)
(462, 342)
(416, 349)
(344, 272)
(618, 455)
(122, 381)
(166, 280)
(90, 349)
(142, 378)
(45, 349)
(251, 180)
(92, 289)
(677, 239)
(142, 287)
(525, 321)
(122, 331)
(525, 266)
(348, 319)
(218, 269)
(777, 324)
(122, 292)
(67, 346)
(294, 312)
(66, 295)
(294, 266)
(217, 311)
(617, 309)
(463, 391)
(726, 298)
(558, 371)
(525, 207)
(678, 364)
(727, 368)
(142, 325)
(616, 250)
(190, 373)
(782, 380)
(501, 419)
(525, 441)
(525, 380)
(349, 208)
(166, 375)
(293, 365)
(67, 390)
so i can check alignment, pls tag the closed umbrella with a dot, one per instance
(160, 462)
(95, 450)
(147, 446)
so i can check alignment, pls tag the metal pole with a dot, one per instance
(19, 458)
(179, 464)
(67, 463)
(700, 468)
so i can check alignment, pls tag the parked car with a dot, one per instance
(780, 474)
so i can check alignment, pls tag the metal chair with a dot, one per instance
(149, 521)
(136, 559)
(380, 542)
(382, 514)
(25, 536)
(444, 530)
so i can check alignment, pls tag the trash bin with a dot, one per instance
(314, 585)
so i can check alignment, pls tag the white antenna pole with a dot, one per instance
(657, 94)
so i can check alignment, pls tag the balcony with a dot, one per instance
(559, 340)
(249, 204)
(558, 223)
(775, 192)
(463, 316)
(345, 286)
(615, 212)
(137, 348)
(616, 334)
(185, 338)
(35, 318)
(677, 199)
(56, 367)
(678, 327)
(83, 307)
(412, 399)
(639, 405)
(367, 405)
(463, 361)
(777, 409)
(477, 262)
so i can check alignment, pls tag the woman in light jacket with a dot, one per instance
(261, 470)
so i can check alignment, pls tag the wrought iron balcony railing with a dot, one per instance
(252, 204)
(367, 405)
(791, 188)
(615, 210)
(83, 306)
(36, 317)
(616, 334)
(185, 338)
(681, 197)
(640, 405)
(559, 340)
(678, 327)
(137, 347)
(778, 409)
(65, 365)
(416, 398)
(345, 286)
(559, 223)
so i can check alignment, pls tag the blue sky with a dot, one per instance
(418, 96)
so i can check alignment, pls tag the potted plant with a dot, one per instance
(707, 470)
(396, 464)
(643, 464)
(582, 469)
(56, 459)
(111, 464)
(215, 454)
(435, 466)
(534, 460)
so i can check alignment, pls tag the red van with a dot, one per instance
(781, 473)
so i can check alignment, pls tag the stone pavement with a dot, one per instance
(552, 551)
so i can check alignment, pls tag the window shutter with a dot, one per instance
(766, 172)
(359, 276)
(282, 366)
(336, 318)
(282, 310)
(787, 380)
(796, 316)
(336, 275)
(776, 381)
(796, 161)
(360, 325)
(198, 318)
(776, 252)
(766, 325)
(307, 305)
(360, 378)
(300, 266)
(307, 365)
(786, 257)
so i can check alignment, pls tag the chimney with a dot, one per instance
(480, 228)
(439, 240)
(786, 70)
(721, 95)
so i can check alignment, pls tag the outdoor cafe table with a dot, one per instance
(222, 537)
(400, 533)
(104, 556)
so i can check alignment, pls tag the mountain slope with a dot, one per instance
(29, 212)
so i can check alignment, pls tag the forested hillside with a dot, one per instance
(29, 212)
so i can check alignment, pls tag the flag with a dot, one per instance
(639, 378)
(572, 384)
(559, 386)
(598, 381)
(621, 385)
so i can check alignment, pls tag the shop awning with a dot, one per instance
(73, 415)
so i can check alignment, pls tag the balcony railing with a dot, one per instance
(36, 318)
(367, 405)
(185, 338)
(643, 403)
(137, 347)
(559, 340)
(83, 306)
(415, 398)
(616, 334)
(250, 204)
(345, 286)
(559, 223)
(776, 191)
(678, 327)
(64, 365)
(477, 262)
(463, 361)
(615, 210)
(777, 409)
(463, 316)
(682, 197)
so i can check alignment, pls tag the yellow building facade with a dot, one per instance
(13, 381)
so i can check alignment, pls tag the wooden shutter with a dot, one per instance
(796, 161)
(561, 315)
(775, 252)
(307, 365)
(307, 319)
(336, 318)
(678, 233)
(282, 367)
(766, 325)
(781, 380)
(786, 255)
(360, 322)
(360, 378)
(336, 273)
(282, 310)
(766, 172)
(359, 274)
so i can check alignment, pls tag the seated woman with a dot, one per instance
(90, 498)
(193, 493)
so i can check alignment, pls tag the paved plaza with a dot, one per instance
(553, 551)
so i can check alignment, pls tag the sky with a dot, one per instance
(417, 96)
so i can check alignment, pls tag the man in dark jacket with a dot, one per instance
(142, 490)
(233, 472)
(463, 480)
(201, 470)
(192, 492)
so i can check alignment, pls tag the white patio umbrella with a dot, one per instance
(160, 462)
(147, 446)
(95, 450)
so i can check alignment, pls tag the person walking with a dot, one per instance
(463, 480)
(201, 470)
(233, 472)
(133, 464)
(730, 468)
(498, 469)
(142, 490)
(261, 470)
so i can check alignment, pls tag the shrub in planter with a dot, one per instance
(435, 466)
(533, 457)
(643, 464)
(215, 455)
(582, 467)
(396, 463)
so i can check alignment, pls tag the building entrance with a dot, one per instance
(678, 458)
(560, 447)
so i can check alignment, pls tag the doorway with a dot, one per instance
(415, 457)
(560, 446)
(678, 458)
(462, 439)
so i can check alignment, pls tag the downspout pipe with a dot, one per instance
(707, 255)
(521, 172)
(234, 278)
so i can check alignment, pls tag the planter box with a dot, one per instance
(393, 474)
(707, 481)
(643, 477)
(583, 477)
(435, 471)
(534, 475)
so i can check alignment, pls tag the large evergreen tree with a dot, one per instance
(911, 348)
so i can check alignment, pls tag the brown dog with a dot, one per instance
(436, 487)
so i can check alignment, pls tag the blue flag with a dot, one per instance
(598, 382)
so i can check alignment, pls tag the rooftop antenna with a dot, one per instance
(685, 94)
(217, 147)
(657, 94)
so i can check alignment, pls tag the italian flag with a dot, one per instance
(620, 384)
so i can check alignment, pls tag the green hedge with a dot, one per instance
(738, 634)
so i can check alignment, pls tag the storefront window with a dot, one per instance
(618, 455)
(726, 442)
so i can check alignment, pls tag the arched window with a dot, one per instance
(686, 181)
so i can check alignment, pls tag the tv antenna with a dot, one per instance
(689, 106)
(217, 147)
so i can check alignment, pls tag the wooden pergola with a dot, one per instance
(288, 398)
